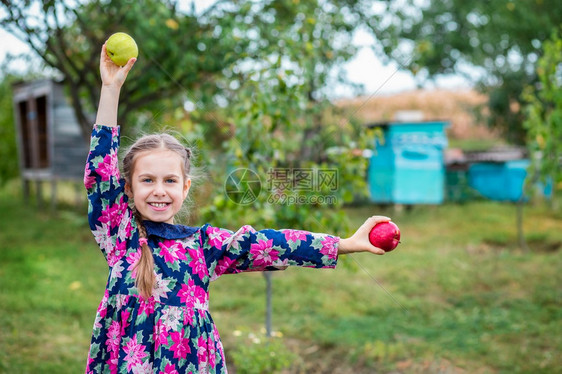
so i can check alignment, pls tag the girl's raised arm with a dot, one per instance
(112, 77)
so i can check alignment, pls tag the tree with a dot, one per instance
(179, 53)
(501, 38)
(255, 76)
(245, 66)
(8, 150)
(279, 116)
(544, 114)
(285, 134)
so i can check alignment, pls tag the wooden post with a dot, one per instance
(26, 190)
(33, 131)
(39, 193)
(268, 304)
(53, 194)
(520, 231)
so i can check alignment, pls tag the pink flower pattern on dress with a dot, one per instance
(223, 266)
(263, 253)
(89, 180)
(113, 337)
(112, 214)
(135, 352)
(160, 335)
(202, 351)
(180, 345)
(172, 332)
(169, 369)
(146, 306)
(172, 251)
(217, 236)
(187, 294)
(119, 250)
(132, 259)
(102, 308)
(329, 247)
(125, 314)
(294, 235)
(198, 263)
(211, 347)
(201, 298)
(108, 167)
(188, 315)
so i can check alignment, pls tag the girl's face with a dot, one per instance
(157, 185)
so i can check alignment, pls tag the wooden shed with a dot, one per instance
(50, 144)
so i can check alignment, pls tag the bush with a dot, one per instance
(260, 355)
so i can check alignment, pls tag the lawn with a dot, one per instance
(456, 296)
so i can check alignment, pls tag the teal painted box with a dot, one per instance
(501, 181)
(504, 181)
(407, 166)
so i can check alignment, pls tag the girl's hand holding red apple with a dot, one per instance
(360, 240)
(385, 235)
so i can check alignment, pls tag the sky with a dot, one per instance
(365, 68)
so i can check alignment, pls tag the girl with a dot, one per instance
(154, 315)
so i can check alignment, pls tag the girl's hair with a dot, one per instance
(145, 279)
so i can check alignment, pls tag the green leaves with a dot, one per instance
(255, 75)
(280, 120)
(544, 114)
(495, 43)
(8, 150)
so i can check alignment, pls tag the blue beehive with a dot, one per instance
(407, 166)
(502, 181)
(497, 174)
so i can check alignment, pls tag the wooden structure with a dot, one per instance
(50, 143)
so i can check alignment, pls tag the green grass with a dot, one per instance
(457, 294)
(51, 281)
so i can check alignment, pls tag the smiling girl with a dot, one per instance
(154, 315)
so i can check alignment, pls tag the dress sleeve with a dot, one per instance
(228, 252)
(108, 213)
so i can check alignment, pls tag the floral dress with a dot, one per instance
(172, 332)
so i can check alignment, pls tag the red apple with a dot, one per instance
(385, 235)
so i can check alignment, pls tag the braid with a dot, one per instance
(145, 280)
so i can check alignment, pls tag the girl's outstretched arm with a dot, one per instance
(359, 241)
(112, 77)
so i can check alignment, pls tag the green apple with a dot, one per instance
(121, 47)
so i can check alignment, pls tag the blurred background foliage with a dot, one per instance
(202, 69)
(245, 81)
(249, 85)
(8, 150)
(496, 44)
(544, 113)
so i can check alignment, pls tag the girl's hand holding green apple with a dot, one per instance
(121, 48)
